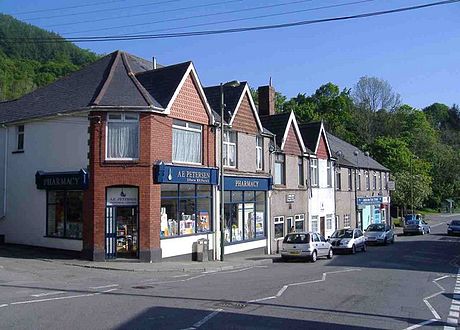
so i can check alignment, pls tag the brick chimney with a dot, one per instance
(266, 100)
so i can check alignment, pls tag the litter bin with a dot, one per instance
(202, 248)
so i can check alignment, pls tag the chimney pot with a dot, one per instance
(154, 62)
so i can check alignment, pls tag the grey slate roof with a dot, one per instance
(348, 158)
(161, 83)
(110, 81)
(310, 134)
(277, 125)
(231, 97)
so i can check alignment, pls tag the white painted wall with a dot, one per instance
(322, 200)
(54, 145)
(172, 247)
(240, 247)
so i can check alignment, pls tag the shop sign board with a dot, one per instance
(247, 183)
(391, 185)
(290, 198)
(183, 174)
(369, 200)
(122, 196)
(77, 180)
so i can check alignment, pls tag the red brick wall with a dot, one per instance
(155, 145)
(245, 121)
(322, 148)
(188, 104)
(292, 145)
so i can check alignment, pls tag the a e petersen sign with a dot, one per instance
(61, 180)
(122, 196)
(182, 174)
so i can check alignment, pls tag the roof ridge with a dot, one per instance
(164, 67)
(108, 79)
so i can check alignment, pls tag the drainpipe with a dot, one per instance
(5, 171)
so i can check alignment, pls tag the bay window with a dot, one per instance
(122, 136)
(187, 142)
(229, 149)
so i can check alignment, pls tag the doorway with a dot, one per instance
(322, 226)
(127, 231)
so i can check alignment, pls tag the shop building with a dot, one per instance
(321, 201)
(117, 160)
(247, 170)
(289, 198)
(362, 195)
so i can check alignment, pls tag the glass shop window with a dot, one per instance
(65, 214)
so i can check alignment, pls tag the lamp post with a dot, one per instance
(233, 83)
(356, 153)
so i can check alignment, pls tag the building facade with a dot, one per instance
(289, 198)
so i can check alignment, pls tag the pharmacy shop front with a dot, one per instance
(187, 208)
(245, 213)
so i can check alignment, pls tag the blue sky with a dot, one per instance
(417, 52)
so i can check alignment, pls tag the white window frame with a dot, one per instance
(314, 177)
(329, 173)
(276, 221)
(314, 219)
(350, 179)
(338, 179)
(299, 218)
(259, 153)
(300, 171)
(122, 120)
(187, 126)
(368, 180)
(283, 169)
(387, 178)
(328, 221)
(374, 181)
(380, 181)
(346, 221)
(359, 180)
(20, 129)
(227, 145)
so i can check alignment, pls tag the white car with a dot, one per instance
(307, 245)
(350, 240)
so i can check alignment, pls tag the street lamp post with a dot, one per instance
(233, 83)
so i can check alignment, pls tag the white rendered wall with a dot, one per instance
(172, 247)
(240, 247)
(322, 200)
(54, 145)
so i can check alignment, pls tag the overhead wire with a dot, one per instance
(65, 8)
(234, 30)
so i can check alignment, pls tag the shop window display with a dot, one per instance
(244, 213)
(185, 209)
(65, 214)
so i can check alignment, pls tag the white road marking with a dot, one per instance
(454, 314)
(286, 286)
(452, 321)
(438, 224)
(44, 294)
(443, 277)
(103, 286)
(415, 326)
(448, 328)
(184, 275)
(4, 305)
(207, 318)
(455, 308)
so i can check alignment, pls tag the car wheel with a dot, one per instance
(313, 256)
(353, 249)
(330, 254)
(429, 231)
(364, 248)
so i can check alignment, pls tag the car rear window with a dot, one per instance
(455, 223)
(376, 227)
(297, 238)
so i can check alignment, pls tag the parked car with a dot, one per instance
(379, 233)
(350, 240)
(410, 217)
(416, 227)
(306, 245)
(453, 227)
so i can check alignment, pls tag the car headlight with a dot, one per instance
(345, 242)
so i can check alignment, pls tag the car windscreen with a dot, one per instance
(297, 239)
(455, 223)
(413, 222)
(343, 233)
(376, 227)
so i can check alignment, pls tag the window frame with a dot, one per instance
(338, 179)
(227, 145)
(276, 221)
(122, 120)
(186, 127)
(66, 198)
(374, 181)
(329, 173)
(280, 160)
(299, 218)
(346, 221)
(300, 171)
(314, 218)
(329, 221)
(259, 153)
(350, 179)
(358, 179)
(20, 137)
(368, 180)
(314, 175)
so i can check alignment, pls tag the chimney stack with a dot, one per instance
(266, 100)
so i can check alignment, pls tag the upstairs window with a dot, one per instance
(368, 181)
(350, 179)
(359, 179)
(229, 149)
(329, 173)
(20, 137)
(380, 181)
(187, 142)
(314, 172)
(280, 177)
(259, 153)
(300, 171)
(123, 136)
(374, 185)
(338, 179)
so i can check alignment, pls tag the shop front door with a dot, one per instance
(322, 228)
(121, 232)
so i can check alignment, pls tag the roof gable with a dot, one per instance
(292, 122)
(246, 96)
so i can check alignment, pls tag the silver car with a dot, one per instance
(350, 240)
(306, 245)
(379, 233)
(416, 227)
